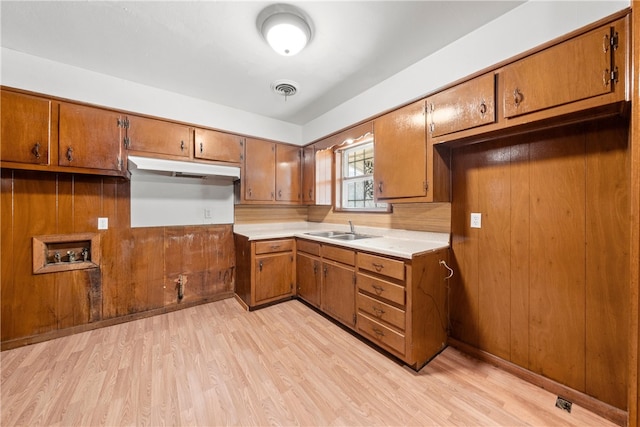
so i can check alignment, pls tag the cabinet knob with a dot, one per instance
(36, 150)
(70, 154)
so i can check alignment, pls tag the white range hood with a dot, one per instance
(181, 169)
(173, 193)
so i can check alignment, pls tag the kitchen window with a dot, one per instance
(354, 177)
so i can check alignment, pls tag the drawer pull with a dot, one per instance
(379, 333)
(378, 267)
(274, 247)
(378, 289)
(378, 311)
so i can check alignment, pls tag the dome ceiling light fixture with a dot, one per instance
(285, 27)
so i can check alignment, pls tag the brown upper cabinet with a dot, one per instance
(270, 173)
(258, 173)
(288, 173)
(217, 146)
(90, 138)
(26, 128)
(308, 175)
(400, 145)
(584, 67)
(465, 106)
(158, 137)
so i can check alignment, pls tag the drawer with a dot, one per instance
(381, 334)
(381, 265)
(381, 311)
(342, 255)
(309, 247)
(270, 246)
(381, 288)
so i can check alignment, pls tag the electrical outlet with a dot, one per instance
(207, 213)
(103, 223)
(476, 220)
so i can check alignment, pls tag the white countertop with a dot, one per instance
(392, 242)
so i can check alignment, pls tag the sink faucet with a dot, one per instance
(353, 230)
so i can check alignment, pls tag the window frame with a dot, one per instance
(339, 154)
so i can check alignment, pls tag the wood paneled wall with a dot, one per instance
(139, 267)
(544, 283)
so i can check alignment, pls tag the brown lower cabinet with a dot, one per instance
(397, 304)
(265, 270)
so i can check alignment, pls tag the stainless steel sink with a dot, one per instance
(351, 236)
(326, 233)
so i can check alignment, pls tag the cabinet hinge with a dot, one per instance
(123, 123)
(613, 40)
(614, 75)
(127, 142)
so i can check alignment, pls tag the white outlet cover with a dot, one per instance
(103, 223)
(476, 220)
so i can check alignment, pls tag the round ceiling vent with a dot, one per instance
(285, 88)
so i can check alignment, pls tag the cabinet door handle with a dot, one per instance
(249, 191)
(315, 268)
(260, 266)
(517, 97)
(36, 150)
(378, 267)
(201, 148)
(606, 77)
(325, 271)
(181, 145)
(70, 154)
(279, 194)
(380, 187)
(310, 194)
(483, 108)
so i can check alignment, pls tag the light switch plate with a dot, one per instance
(103, 223)
(476, 220)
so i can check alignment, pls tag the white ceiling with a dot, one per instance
(211, 50)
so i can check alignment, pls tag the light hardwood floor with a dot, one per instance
(217, 364)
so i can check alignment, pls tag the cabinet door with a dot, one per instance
(220, 146)
(259, 170)
(309, 273)
(274, 277)
(26, 128)
(339, 293)
(571, 71)
(89, 137)
(308, 175)
(158, 136)
(288, 173)
(400, 144)
(465, 106)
